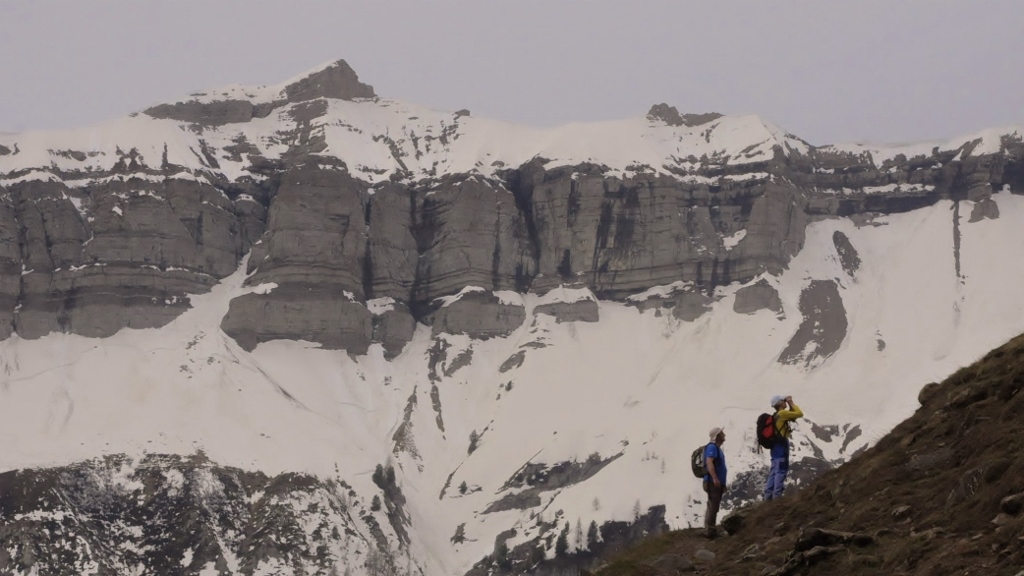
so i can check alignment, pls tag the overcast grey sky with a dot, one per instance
(828, 71)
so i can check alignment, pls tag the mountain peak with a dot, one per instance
(671, 116)
(334, 80)
(237, 103)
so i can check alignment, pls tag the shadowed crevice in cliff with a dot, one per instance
(12, 247)
(467, 235)
(956, 240)
(521, 182)
(367, 260)
(496, 255)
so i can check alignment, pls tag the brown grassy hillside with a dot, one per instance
(943, 493)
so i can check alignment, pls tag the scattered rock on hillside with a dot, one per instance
(752, 551)
(927, 392)
(704, 555)
(514, 361)
(732, 523)
(811, 537)
(1012, 505)
(671, 564)
(901, 512)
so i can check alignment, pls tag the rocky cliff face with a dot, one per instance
(344, 198)
(126, 252)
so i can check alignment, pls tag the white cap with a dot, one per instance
(714, 433)
(776, 400)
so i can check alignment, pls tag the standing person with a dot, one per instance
(714, 480)
(785, 413)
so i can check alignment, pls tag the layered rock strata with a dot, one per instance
(125, 253)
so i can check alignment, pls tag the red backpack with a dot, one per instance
(767, 434)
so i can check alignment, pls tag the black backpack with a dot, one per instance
(697, 461)
(767, 434)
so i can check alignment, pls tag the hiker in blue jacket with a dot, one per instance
(714, 480)
(776, 483)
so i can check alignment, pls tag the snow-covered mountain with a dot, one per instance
(421, 339)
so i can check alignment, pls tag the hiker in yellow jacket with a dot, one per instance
(776, 483)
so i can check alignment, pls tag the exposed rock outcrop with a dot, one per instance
(691, 305)
(214, 113)
(984, 209)
(300, 312)
(848, 256)
(337, 80)
(579, 311)
(480, 314)
(823, 328)
(393, 329)
(569, 305)
(758, 296)
(671, 116)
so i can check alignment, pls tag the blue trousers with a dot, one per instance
(776, 478)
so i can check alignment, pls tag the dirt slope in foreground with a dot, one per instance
(943, 493)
